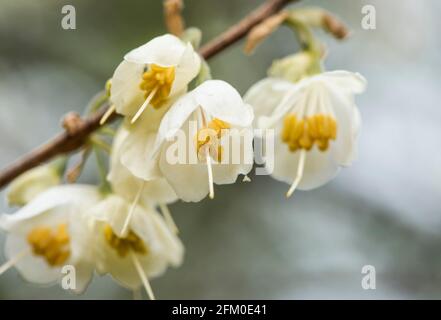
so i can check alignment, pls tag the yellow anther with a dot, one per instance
(289, 123)
(210, 136)
(53, 245)
(323, 144)
(297, 131)
(218, 125)
(160, 79)
(304, 133)
(305, 141)
(124, 245)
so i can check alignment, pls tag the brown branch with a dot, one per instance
(173, 16)
(240, 30)
(67, 142)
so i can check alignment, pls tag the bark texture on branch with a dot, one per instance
(69, 141)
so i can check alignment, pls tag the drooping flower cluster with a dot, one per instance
(178, 138)
(121, 232)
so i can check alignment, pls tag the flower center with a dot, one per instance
(303, 133)
(124, 245)
(157, 81)
(50, 243)
(209, 137)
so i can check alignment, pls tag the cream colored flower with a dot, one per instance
(209, 118)
(127, 185)
(141, 252)
(316, 125)
(31, 183)
(155, 192)
(50, 232)
(153, 74)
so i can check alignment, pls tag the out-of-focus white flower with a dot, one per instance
(209, 116)
(127, 185)
(31, 183)
(153, 74)
(143, 251)
(50, 232)
(316, 125)
(155, 192)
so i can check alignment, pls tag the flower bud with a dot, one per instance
(293, 67)
(31, 183)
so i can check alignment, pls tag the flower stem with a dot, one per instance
(105, 186)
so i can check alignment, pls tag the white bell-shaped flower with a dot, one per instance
(213, 127)
(153, 74)
(316, 125)
(134, 255)
(51, 232)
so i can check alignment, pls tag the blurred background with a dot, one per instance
(250, 242)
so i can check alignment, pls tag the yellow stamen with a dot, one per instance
(304, 133)
(218, 125)
(159, 78)
(209, 138)
(124, 245)
(51, 244)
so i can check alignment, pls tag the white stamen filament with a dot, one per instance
(144, 105)
(14, 260)
(107, 115)
(299, 175)
(168, 218)
(132, 209)
(203, 120)
(210, 174)
(142, 275)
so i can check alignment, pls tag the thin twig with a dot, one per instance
(68, 142)
(240, 30)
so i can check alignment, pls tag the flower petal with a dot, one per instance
(165, 50)
(350, 81)
(56, 196)
(172, 248)
(136, 153)
(189, 180)
(174, 119)
(83, 276)
(348, 124)
(127, 185)
(220, 100)
(125, 93)
(187, 69)
(266, 95)
(237, 157)
(32, 268)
